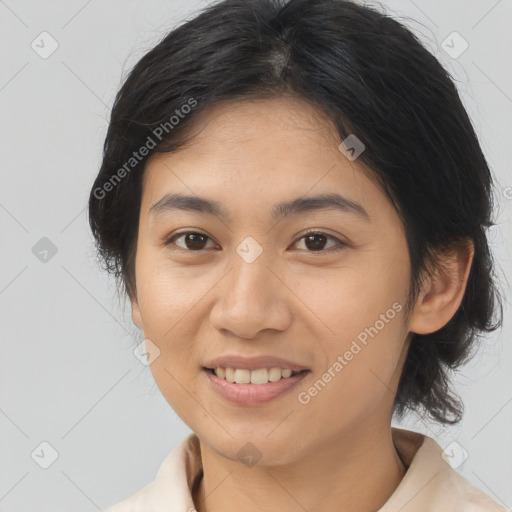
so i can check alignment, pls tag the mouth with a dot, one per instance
(252, 387)
(257, 377)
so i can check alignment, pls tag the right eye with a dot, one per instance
(192, 241)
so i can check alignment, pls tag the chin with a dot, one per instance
(252, 446)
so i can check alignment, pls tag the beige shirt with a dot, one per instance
(429, 485)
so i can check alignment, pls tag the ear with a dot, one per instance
(136, 315)
(442, 292)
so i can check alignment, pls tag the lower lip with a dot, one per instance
(252, 394)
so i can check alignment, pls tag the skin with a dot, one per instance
(336, 452)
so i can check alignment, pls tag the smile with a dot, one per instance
(258, 376)
(252, 387)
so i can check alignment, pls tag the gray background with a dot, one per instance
(68, 374)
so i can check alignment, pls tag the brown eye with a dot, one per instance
(316, 242)
(192, 241)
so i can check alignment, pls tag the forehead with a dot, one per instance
(260, 152)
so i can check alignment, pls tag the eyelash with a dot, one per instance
(341, 245)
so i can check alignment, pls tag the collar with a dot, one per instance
(430, 484)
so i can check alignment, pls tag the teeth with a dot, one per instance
(230, 374)
(259, 376)
(242, 376)
(274, 374)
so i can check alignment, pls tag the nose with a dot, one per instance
(251, 298)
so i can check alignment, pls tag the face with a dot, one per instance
(322, 287)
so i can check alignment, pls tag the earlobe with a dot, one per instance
(443, 291)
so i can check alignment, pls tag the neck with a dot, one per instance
(355, 472)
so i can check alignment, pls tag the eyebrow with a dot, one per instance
(171, 202)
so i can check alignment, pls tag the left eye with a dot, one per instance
(315, 241)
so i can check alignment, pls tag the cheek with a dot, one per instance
(166, 295)
(179, 390)
(346, 300)
(167, 304)
(358, 375)
(361, 310)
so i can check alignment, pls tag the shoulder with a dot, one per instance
(449, 487)
(171, 488)
(430, 483)
(141, 500)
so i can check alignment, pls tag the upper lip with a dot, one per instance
(253, 363)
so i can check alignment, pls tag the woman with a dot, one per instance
(295, 201)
